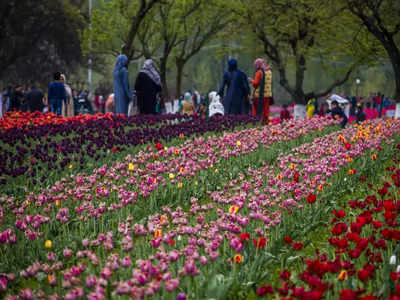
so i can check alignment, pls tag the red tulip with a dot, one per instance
(284, 275)
(311, 198)
(297, 246)
(260, 242)
(363, 274)
(288, 239)
(346, 294)
(159, 146)
(264, 290)
(244, 236)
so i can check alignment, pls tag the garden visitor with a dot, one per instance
(16, 98)
(56, 94)
(311, 107)
(236, 99)
(122, 91)
(285, 113)
(386, 102)
(353, 107)
(147, 86)
(68, 105)
(187, 106)
(215, 108)
(262, 95)
(34, 100)
(109, 106)
(360, 114)
(337, 112)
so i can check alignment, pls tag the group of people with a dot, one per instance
(147, 87)
(60, 99)
(239, 99)
(235, 91)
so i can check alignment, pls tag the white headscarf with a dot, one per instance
(150, 70)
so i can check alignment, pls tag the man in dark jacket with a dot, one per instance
(56, 94)
(34, 100)
(236, 99)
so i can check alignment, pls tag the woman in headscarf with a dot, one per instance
(238, 90)
(122, 91)
(262, 95)
(147, 86)
(187, 105)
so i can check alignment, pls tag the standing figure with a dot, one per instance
(147, 86)
(122, 91)
(34, 99)
(236, 99)
(311, 108)
(68, 105)
(262, 96)
(56, 94)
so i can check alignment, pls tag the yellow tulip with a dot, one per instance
(48, 244)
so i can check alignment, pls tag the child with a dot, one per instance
(337, 112)
(285, 114)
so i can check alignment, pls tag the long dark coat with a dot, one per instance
(146, 93)
(238, 90)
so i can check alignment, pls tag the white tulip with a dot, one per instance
(392, 260)
(398, 269)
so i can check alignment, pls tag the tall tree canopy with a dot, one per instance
(381, 19)
(37, 38)
(293, 32)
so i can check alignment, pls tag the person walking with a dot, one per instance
(262, 96)
(235, 100)
(147, 86)
(68, 105)
(34, 100)
(122, 91)
(56, 94)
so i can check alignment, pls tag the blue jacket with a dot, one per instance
(56, 91)
(238, 89)
(122, 91)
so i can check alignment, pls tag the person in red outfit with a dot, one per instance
(285, 114)
(262, 84)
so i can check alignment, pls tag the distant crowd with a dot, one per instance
(238, 94)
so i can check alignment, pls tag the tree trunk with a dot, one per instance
(396, 69)
(180, 64)
(163, 75)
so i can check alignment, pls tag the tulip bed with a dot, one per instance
(234, 216)
(35, 153)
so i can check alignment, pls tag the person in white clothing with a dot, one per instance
(215, 107)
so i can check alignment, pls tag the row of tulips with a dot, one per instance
(186, 250)
(81, 198)
(29, 120)
(35, 151)
(358, 257)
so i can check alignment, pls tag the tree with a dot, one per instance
(381, 19)
(114, 27)
(203, 25)
(295, 31)
(38, 38)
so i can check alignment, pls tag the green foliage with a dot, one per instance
(38, 38)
